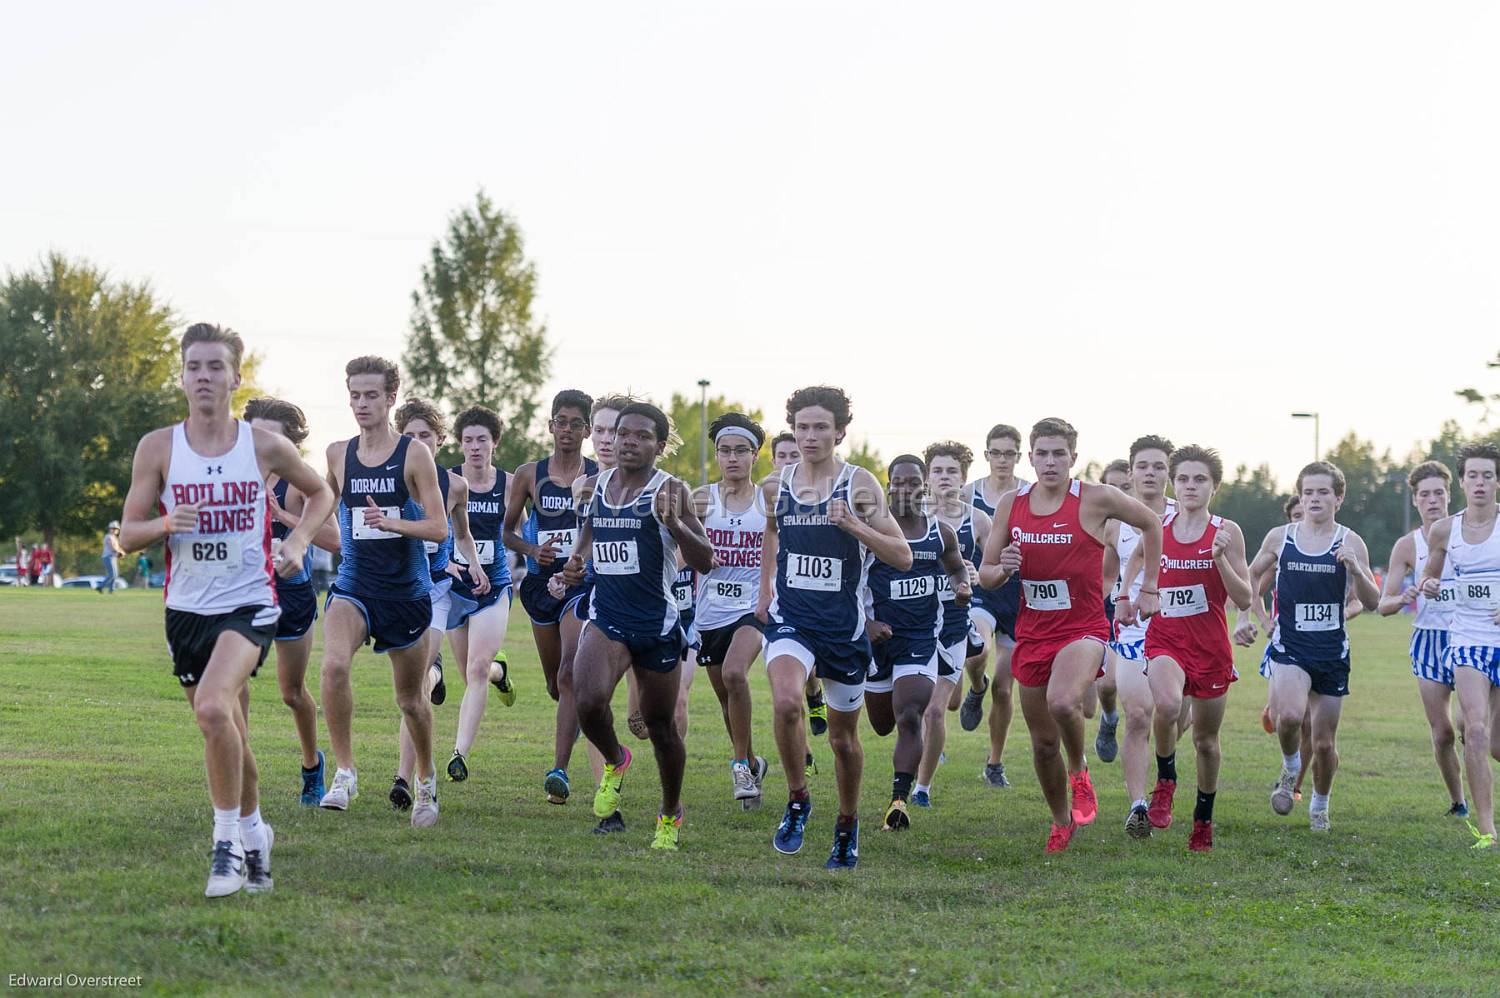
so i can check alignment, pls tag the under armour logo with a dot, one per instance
(214, 469)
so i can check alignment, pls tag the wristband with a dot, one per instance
(1149, 592)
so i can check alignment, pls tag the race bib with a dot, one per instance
(486, 553)
(1447, 596)
(219, 558)
(431, 547)
(1183, 601)
(616, 558)
(731, 595)
(1114, 592)
(1048, 595)
(1479, 595)
(684, 596)
(945, 588)
(919, 587)
(1318, 617)
(565, 540)
(815, 573)
(360, 532)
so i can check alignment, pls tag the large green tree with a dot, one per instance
(90, 364)
(473, 337)
(1252, 500)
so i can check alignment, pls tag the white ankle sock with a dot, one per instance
(1319, 802)
(227, 827)
(1292, 762)
(1140, 803)
(252, 832)
(921, 788)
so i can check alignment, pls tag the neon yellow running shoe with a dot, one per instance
(500, 679)
(1482, 840)
(607, 797)
(666, 831)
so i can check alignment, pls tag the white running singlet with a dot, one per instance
(729, 592)
(1432, 614)
(1476, 575)
(1124, 547)
(226, 562)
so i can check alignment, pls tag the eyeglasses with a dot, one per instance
(576, 425)
(734, 451)
(1012, 454)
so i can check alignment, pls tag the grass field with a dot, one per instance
(105, 824)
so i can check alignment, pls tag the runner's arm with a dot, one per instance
(768, 544)
(141, 525)
(516, 490)
(1396, 594)
(954, 565)
(279, 457)
(1356, 560)
(992, 575)
(876, 529)
(1437, 554)
(1229, 556)
(675, 507)
(1117, 505)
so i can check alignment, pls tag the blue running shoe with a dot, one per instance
(556, 785)
(845, 854)
(920, 798)
(312, 784)
(788, 837)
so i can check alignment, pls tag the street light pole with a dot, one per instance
(1317, 432)
(703, 431)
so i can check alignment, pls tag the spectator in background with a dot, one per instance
(143, 571)
(111, 557)
(43, 554)
(33, 566)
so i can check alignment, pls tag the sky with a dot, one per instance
(1178, 218)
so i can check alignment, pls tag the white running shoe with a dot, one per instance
(1281, 797)
(258, 864)
(744, 782)
(759, 767)
(226, 871)
(424, 813)
(345, 788)
(1318, 820)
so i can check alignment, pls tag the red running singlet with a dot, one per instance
(1062, 592)
(1191, 627)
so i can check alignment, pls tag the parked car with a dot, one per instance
(93, 582)
(8, 574)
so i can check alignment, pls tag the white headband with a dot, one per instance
(735, 431)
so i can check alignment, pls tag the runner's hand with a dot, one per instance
(545, 553)
(1147, 605)
(572, 573)
(1010, 558)
(289, 558)
(183, 519)
(877, 631)
(1245, 631)
(1221, 544)
(375, 517)
(479, 580)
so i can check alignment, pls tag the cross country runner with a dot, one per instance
(389, 504)
(199, 487)
(1429, 483)
(1053, 540)
(825, 514)
(1188, 661)
(635, 520)
(1318, 564)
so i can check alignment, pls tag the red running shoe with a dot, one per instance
(1202, 839)
(1060, 837)
(1160, 811)
(1085, 804)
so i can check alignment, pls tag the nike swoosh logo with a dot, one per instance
(390, 467)
(1056, 525)
(1205, 550)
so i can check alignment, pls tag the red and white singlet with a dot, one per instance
(1062, 594)
(1191, 626)
(226, 562)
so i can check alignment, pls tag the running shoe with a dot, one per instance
(1085, 803)
(312, 783)
(811, 767)
(745, 789)
(845, 852)
(1105, 743)
(556, 785)
(258, 865)
(608, 826)
(788, 837)
(1161, 803)
(226, 871)
(637, 725)
(500, 679)
(458, 769)
(1318, 820)
(921, 798)
(896, 817)
(1281, 797)
(1060, 836)
(607, 797)
(345, 788)
(1482, 840)
(1265, 720)
(994, 775)
(424, 813)
(1458, 810)
(1138, 822)
(667, 826)
(971, 712)
(400, 795)
(759, 767)
(817, 714)
(439, 688)
(1202, 838)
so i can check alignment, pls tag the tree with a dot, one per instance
(1475, 397)
(1374, 494)
(687, 419)
(473, 338)
(867, 457)
(1253, 501)
(90, 365)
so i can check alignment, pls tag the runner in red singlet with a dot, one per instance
(1053, 539)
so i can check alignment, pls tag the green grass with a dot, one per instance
(105, 824)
